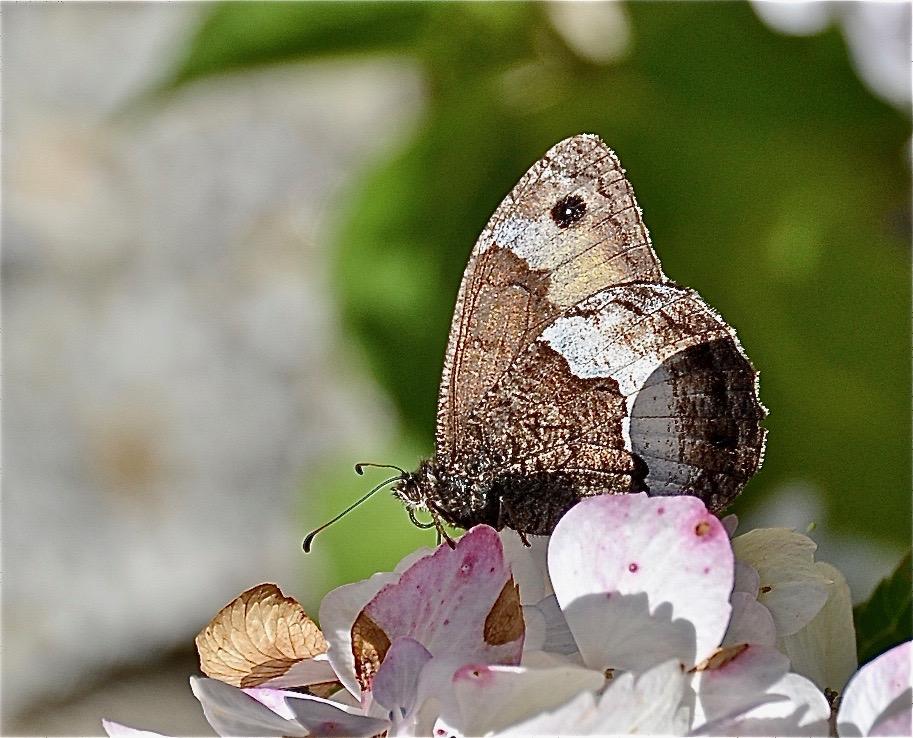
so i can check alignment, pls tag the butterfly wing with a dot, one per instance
(575, 367)
(569, 228)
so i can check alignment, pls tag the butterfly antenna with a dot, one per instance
(306, 544)
(360, 468)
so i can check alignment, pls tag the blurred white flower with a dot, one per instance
(877, 33)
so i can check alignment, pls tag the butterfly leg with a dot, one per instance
(439, 526)
(505, 515)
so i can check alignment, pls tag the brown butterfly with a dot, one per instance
(576, 368)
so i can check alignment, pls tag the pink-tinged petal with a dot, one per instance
(320, 716)
(730, 523)
(879, 695)
(395, 686)
(650, 704)
(457, 602)
(732, 680)
(748, 690)
(326, 718)
(792, 588)
(746, 579)
(274, 699)
(491, 698)
(116, 730)
(900, 723)
(751, 622)
(232, 712)
(338, 612)
(341, 607)
(825, 649)
(528, 564)
(641, 580)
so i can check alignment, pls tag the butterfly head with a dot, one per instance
(414, 488)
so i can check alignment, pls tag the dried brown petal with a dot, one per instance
(369, 646)
(505, 621)
(719, 658)
(257, 637)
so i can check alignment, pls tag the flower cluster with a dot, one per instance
(637, 615)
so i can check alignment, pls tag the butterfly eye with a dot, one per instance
(568, 210)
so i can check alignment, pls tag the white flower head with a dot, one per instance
(638, 615)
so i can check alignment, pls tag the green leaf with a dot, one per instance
(240, 35)
(886, 619)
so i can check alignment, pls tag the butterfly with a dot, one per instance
(575, 367)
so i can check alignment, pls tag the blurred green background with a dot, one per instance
(233, 234)
(772, 180)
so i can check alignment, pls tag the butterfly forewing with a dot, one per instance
(568, 229)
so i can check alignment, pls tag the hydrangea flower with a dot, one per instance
(637, 615)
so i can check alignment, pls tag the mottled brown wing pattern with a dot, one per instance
(570, 228)
(546, 438)
(640, 387)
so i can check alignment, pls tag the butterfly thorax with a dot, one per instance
(460, 496)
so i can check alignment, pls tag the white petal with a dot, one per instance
(751, 622)
(825, 649)
(325, 718)
(641, 580)
(646, 705)
(528, 564)
(116, 730)
(550, 631)
(753, 694)
(805, 711)
(534, 619)
(546, 660)
(317, 670)
(649, 705)
(491, 698)
(736, 685)
(395, 686)
(879, 695)
(746, 579)
(232, 712)
(577, 717)
(792, 588)
(338, 612)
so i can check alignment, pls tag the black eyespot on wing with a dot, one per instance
(568, 210)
